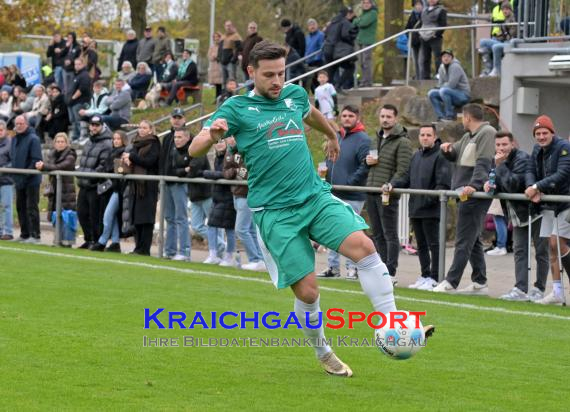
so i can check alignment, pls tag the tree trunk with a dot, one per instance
(138, 16)
(393, 23)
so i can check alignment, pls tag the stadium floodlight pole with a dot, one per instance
(529, 246)
(560, 270)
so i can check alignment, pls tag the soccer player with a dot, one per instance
(291, 204)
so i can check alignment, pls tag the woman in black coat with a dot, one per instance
(144, 194)
(62, 157)
(57, 120)
(222, 215)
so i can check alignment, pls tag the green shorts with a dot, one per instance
(286, 234)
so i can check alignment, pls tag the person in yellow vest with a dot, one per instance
(491, 50)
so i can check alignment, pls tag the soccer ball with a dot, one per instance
(398, 342)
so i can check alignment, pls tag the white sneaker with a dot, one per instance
(394, 280)
(428, 284)
(535, 294)
(180, 258)
(259, 266)
(352, 274)
(444, 287)
(213, 260)
(494, 73)
(475, 289)
(550, 299)
(515, 295)
(228, 260)
(420, 281)
(498, 251)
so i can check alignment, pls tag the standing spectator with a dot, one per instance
(6, 185)
(90, 205)
(326, 98)
(162, 46)
(429, 170)
(201, 199)
(229, 51)
(234, 169)
(129, 50)
(510, 167)
(548, 172)
(6, 103)
(314, 40)
(433, 16)
(120, 104)
(57, 120)
(367, 25)
(145, 48)
(187, 76)
(73, 51)
(25, 152)
(177, 121)
(177, 244)
(127, 71)
(453, 88)
(294, 36)
(472, 155)
(222, 214)
(57, 51)
(251, 40)
(391, 163)
(112, 214)
(80, 96)
(144, 158)
(214, 66)
(140, 83)
(491, 50)
(413, 23)
(350, 169)
(89, 56)
(62, 157)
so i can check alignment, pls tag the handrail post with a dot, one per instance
(442, 234)
(408, 59)
(162, 203)
(473, 47)
(58, 195)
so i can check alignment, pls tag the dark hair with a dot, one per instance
(474, 110)
(266, 50)
(351, 108)
(231, 79)
(430, 125)
(503, 133)
(390, 107)
(162, 29)
(285, 23)
(169, 53)
(183, 130)
(323, 72)
(187, 51)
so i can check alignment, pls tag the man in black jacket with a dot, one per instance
(57, 51)
(80, 96)
(350, 169)
(510, 168)
(187, 77)
(90, 205)
(433, 16)
(428, 170)
(339, 42)
(294, 36)
(251, 40)
(548, 172)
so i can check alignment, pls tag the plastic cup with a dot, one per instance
(322, 169)
(462, 197)
(374, 154)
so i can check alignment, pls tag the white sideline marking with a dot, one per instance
(327, 288)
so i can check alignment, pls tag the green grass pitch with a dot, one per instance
(71, 338)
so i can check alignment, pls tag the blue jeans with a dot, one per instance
(214, 239)
(75, 120)
(245, 229)
(496, 47)
(199, 211)
(111, 221)
(501, 230)
(334, 257)
(58, 76)
(6, 219)
(449, 99)
(176, 216)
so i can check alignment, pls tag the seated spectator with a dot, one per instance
(6, 185)
(5, 105)
(120, 104)
(57, 120)
(143, 196)
(15, 78)
(98, 105)
(22, 102)
(40, 109)
(187, 76)
(2, 78)
(491, 50)
(112, 215)
(229, 91)
(127, 71)
(141, 81)
(62, 157)
(453, 88)
(222, 215)
(170, 69)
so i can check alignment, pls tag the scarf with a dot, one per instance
(183, 67)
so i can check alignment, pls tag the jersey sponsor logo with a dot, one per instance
(290, 104)
(254, 109)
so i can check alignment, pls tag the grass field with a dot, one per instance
(71, 338)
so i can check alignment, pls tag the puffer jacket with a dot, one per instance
(234, 169)
(95, 154)
(180, 160)
(222, 214)
(394, 156)
(64, 160)
(199, 191)
(5, 160)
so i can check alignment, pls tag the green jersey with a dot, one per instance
(271, 137)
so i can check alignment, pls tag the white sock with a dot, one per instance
(376, 283)
(557, 287)
(317, 336)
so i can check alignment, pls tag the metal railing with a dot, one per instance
(443, 195)
(167, 117)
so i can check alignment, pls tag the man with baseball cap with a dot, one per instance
(548, 172)
(453, 89)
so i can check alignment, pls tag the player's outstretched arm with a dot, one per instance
(207, 137)
(317, 121)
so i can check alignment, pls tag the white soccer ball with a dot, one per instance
(400, 342)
